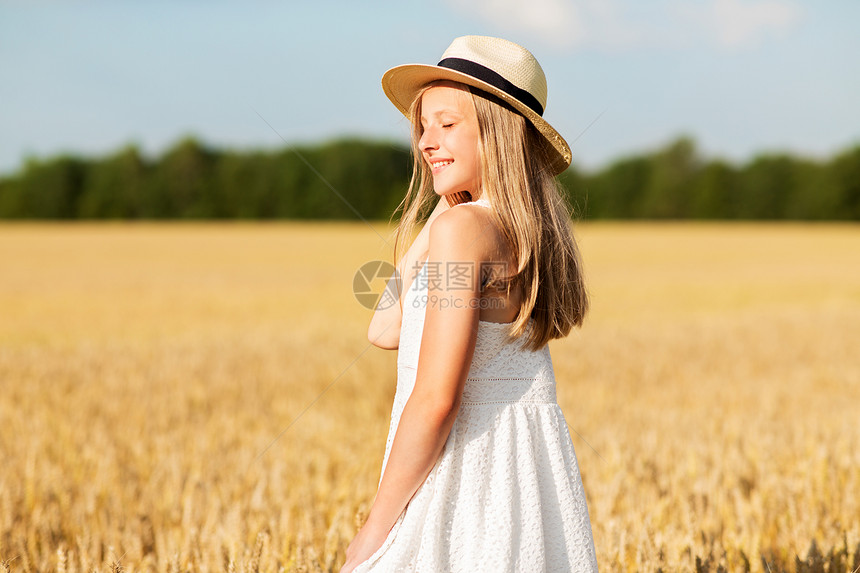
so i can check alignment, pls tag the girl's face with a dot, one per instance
(450, 140)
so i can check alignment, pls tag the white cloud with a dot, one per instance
(557, 21)
(739, 24)
(620, 24)
(562, 23)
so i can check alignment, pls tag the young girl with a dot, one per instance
(479, 472)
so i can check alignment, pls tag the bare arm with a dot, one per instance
(447, 347)
(384, 329)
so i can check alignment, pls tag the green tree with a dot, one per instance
(767, 183)
(667, 191)
(845, 169)
(182, 183)
(115, 187)
(713, 193)
(616, 192)
(50, 189)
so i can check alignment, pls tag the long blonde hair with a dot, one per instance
(529, 206)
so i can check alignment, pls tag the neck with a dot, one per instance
(458, 197)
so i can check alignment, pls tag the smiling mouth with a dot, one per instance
(437, 165)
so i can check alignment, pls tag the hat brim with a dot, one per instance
(402, 83)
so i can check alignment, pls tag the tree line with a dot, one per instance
(352, 178)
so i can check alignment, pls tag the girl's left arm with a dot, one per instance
(447, 347)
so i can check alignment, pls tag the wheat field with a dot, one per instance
(202, 397)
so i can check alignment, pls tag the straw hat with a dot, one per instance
(502, 68)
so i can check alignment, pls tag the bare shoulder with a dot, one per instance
(467, 230)
(470, 235)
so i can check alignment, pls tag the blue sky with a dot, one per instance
(740, 76)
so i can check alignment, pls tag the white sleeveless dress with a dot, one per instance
(505, 493)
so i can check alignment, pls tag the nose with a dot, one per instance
(428, 140)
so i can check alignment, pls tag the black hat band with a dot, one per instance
(487, 75)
